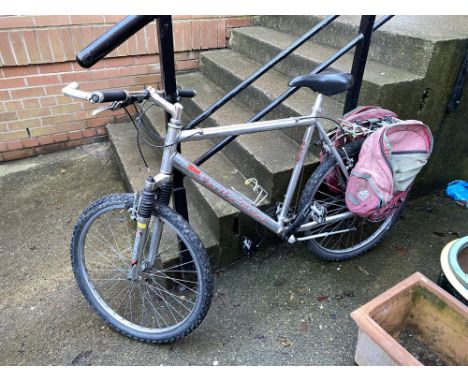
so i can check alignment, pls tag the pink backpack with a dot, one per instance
(389, 160)
(358, 115)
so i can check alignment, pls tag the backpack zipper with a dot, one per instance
(410, 152)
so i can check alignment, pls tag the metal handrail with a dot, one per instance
(111, 39)
(131, 24)
(254, 76)
(288, 93)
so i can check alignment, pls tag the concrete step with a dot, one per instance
(269, 156)
(397, 43)
(224, 221)
(227, 68)
(380, 83)
(124, 141)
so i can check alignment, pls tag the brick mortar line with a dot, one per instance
(84, 70)
(186, 60)
(46, 86)
(27, 152)
(122, 58)
(110, 23)
(97, 130)
(62, 51)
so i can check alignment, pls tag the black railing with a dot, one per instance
(254, 76)
(361, 41)
(166, 59)
(118, 34)
(132, 24)
(111, 39)
(359, 63)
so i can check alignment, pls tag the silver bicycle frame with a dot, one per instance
(171, 158)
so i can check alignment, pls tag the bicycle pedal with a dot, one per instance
(249, 246)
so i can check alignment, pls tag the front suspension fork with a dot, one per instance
(145, 208)
(143, 217)
(164, 197)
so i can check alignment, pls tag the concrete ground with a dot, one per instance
(281, 307)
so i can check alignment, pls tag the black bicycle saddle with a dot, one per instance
(328, 84)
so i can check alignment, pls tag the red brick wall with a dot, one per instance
(37, 58)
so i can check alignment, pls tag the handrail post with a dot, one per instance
(166, 57)
(359, 63)
(168, 78)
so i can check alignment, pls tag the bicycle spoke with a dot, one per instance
(113, 236)
(129, 238)
(123, 259)
(107, 244)
(158, 291)
(108, 290)
(154, 308)
(176, 298)
(143, 309)
(165, 250)
(122, 291)
(176, 266)
(162, 295)
(177, 281)
(159, 274)
(129, 298)
(331, 237)
(112, 266)
(355, 233)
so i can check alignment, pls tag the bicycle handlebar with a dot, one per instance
(100, 96)
(127, 97)
(71, 90)
(112, 95)
(186, 93)
(109, 96)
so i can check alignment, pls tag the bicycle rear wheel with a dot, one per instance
(347, 238)
(169, 299)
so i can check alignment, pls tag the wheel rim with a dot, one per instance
(363, 230)
(162, 299)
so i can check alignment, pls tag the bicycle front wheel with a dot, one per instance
(346, 238)
(170, 297)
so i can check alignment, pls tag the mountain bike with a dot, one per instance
(142, 267)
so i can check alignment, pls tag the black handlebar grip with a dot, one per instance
(186, 93)
(109, 96)
(110, 40)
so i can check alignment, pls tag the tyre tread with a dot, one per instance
(185, 229)
(307, 194)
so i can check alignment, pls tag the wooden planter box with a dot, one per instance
(415, 316)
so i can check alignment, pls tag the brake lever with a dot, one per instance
(113, 106)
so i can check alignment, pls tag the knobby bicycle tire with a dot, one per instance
(315, 184)
(123, 325)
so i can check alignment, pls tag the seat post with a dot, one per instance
(317, 107)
